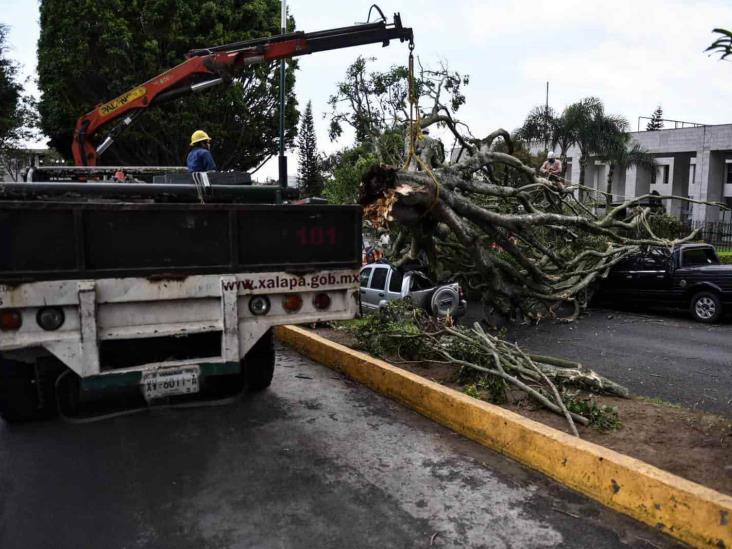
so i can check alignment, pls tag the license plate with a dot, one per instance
(170, 381)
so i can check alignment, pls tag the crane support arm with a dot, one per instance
(209, 67)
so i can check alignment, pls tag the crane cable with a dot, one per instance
(415, 131)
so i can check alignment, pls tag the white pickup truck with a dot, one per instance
(141, 293)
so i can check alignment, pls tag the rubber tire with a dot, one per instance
(717, 307)
(28, 391)
(258, 364)
(441, 293)
(18, 395)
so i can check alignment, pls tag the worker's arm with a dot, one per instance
(208, 162)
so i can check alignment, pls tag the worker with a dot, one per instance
(200, 159)
(552, 166)
(552, 169)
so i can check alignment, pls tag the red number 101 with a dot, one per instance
(316, 236)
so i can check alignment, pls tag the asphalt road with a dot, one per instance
(316, 461)
(659, 355)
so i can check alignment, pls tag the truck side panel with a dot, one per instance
(60, 241)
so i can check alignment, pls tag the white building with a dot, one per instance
(692, 162)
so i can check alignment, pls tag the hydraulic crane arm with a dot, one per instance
(220, 63)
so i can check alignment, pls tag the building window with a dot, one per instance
(665, 174)
(728, 174)
(692, 174)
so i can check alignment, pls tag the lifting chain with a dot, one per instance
(415, 130)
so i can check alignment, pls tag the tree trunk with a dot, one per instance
(582, 177)
(609, 190)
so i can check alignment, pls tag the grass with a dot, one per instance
(725, 257)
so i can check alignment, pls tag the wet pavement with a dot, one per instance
(659, 355)
(315, 461)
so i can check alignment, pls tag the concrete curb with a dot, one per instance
(688, 511)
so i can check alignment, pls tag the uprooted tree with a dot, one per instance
(525, 244)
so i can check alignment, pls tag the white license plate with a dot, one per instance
(170, 381)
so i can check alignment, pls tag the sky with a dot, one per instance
(634, 55)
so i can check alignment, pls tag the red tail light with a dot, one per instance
(292, 303)
(321, 301)
(10, 320)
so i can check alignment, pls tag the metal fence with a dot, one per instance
(717, 234)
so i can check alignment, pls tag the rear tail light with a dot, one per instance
(292, 303)
(259, 305)
(50, 318)
(321, 301)
(10, 320)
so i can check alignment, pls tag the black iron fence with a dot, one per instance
(717, 234)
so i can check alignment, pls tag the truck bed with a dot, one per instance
(41, 240)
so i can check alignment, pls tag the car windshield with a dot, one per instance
(696, 257)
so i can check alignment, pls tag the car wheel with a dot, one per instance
(258, 364)
(706, 307)
(445, 301)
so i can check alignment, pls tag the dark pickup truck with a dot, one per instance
(689, 277)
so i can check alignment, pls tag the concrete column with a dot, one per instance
(631, 176)
(702, 187)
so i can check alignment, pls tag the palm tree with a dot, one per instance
(620, 157)
(723, 44)
(544, 124)
(593, 131)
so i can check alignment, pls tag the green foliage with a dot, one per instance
(346, 168)
(666, 226)
(603, 418)
(310, 171)
(16, 110)
(725, 258)
(102, 48)
(723, 44)
(656, 121)
(392, 330)
(375, 103)
(373, 100)
(485, 387)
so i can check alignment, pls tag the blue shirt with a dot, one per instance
(200, 160)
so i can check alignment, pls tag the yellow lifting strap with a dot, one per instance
(415, 130)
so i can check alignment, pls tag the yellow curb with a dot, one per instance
(688, 511)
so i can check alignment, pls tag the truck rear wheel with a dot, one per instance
(706, 307)
(27, 391)
(258, 364)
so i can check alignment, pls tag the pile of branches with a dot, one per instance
(526, 245)
(402, 333)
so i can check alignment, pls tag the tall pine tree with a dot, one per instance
(656, 121)
(310, 169)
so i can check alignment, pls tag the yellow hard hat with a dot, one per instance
(199, 135)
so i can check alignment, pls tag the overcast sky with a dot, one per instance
(632, 54)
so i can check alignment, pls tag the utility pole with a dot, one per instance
(282, 157)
